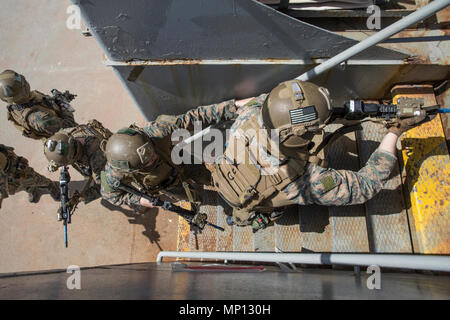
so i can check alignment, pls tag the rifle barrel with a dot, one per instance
(187, 214)
(65, 209)
(66, 241)
(215, 226)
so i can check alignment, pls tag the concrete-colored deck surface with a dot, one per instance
(35, 41)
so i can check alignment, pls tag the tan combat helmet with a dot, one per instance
(129, 150)
(61, 149)
(299, 110)
(3, 161)
(14, 88)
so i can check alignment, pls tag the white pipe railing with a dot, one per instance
(417, 16)
(400, 261)
(387, 32)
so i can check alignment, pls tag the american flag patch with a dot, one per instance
(301, 115)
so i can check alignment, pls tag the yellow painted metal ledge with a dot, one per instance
(427, 166)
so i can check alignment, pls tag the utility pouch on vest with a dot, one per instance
(237, 183)
(99, 128)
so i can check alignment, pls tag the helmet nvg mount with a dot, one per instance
(130, 150)
(298, 110)
(61, 150)
(14, 88)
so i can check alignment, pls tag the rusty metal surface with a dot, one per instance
(176, 88)
(224, 239)
(424, 46)
(443, 98)
(208, 237)
(171, 55)
(386, 214)
(348, 222)
(184, 232)
(243, 239)
(213, 29)
(316, 229)
(172, 72)
(264, 240)
(427, 167)
(288, 237)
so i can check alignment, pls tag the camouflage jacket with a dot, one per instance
(328, 186)
(93, 160)
(162, 128)
(41, 117)
(332, 187)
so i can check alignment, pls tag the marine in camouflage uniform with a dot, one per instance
(287, 173)
(155, 174)
(36, 115)
(327, 186)
(80, 147)
(16, 176)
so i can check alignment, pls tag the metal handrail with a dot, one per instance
(387, 32)
(400, 261)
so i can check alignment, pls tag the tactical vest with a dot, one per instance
(93, 130)
(249, 182)
(19, 113)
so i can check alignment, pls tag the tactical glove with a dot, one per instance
(261, 221)
(402, 125)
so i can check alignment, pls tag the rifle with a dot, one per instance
(63, 99)
(197, 220)
(405, 108)
(354, 112)
(65, 210)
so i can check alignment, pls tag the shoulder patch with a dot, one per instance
(257, 101)
(252, 103)
(328, 183)
(173, 120)
(105, 184)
